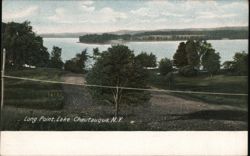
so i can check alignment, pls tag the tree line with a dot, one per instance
(168, 35)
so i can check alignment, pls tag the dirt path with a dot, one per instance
(76, 97)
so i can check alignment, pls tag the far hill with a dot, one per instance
(156, 35)
(168, 35)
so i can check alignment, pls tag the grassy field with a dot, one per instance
(28, 94)
(166, 112)
(217, 83)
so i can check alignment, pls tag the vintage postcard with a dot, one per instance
(116, 65)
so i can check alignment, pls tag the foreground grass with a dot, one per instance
(136, 120)
(217, 83)
(28, 94)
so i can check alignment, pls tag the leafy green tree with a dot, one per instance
(81, 59)
(203, 47)
(146, 60)
(56, 60)
(194, 53)
(117, 67)
(193, 57)
(165, 66)
(180, 57)
(78, 63)
(211, 61)
(240, 63)
(96, 51)
(23, 46)
(228, 65)
(71, 66)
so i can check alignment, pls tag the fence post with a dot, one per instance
(2, 78)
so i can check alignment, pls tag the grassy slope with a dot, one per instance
(217, 83)
(35, 99)
(30, 94)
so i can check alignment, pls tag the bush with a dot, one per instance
(72, 67)
(188, 71)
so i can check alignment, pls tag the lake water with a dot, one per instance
(161, 49)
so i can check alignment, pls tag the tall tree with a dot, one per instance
(81, 59)
(180, 56)
(117, 67)
(56, 60)
(240, 63)
(23, 46)
(211, 61)
(193, 57)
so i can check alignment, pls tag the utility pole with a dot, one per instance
(2, 78)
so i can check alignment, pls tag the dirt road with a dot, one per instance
(76, 97)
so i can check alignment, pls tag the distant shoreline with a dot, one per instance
(150, 41)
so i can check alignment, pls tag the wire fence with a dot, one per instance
(125, 88)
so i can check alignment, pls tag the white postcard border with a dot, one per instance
(123, 143)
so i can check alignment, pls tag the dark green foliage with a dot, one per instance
(193, 57)
(239, 65)
(188, 71)
(103, 38)
(56, 60)
(23, 46)
(117, 67)
(211, 61)
(180, 57)
(146, 60)
(96, 51)
(71, 66)
(165, 66)
(78, 63)
(81, 59)
(228, 66)
(192, 54)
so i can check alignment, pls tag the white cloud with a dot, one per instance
(109, 15)
(59, 14)
(14, 15)
(87, 3)
(145, 12)
(235, 5)
(97, 16)
(211, 15)
(104, 15)
(88, 8)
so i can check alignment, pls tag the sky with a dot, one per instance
(54, 16)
